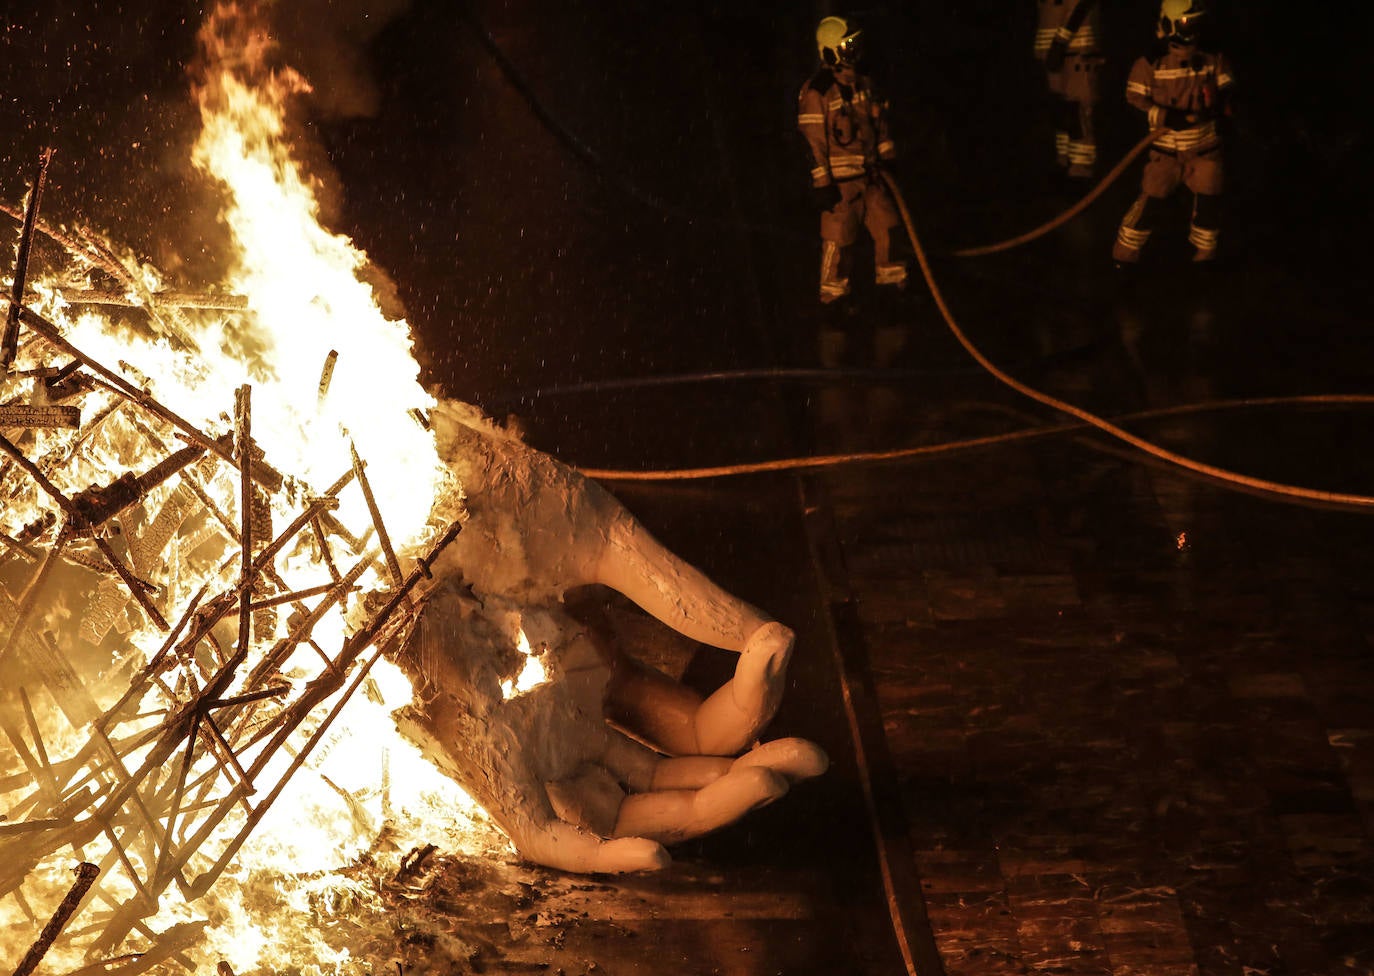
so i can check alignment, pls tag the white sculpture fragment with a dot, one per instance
(609, 759)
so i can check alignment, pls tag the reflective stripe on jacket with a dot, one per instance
(1184, 78)
(1073, 23)
(845, 127)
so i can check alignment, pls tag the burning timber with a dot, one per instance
(154, 776)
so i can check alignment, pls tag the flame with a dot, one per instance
(307, 299)
(309, 309)
(532, 675)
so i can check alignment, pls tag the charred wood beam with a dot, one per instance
(295, 597)
(11, 543)
(272, 661)
(83, 832)
(38, 771)
(60, 374)
(325, 552)
(9, 341)
(276, 691)
(121, 776)
(75, 519)
(145, 898)
(164, 299)
(355, 542)
(243, 425)
(63, 502)
(178, 795)
(85, 877)
(76, 248)
(77, 777)
(232, 531)
(263, 561)
(190, 481)
(117, 712)
(392, 564)
(40, 751)
(137, 587)
(142, 820)
(89, 430)
(99, 505)
(24, 826)
(154, 939)
(170, 945)
(48, 416)
(96, 563)
(178, 328)
(207, 878)
(220, 746)
(172, 733)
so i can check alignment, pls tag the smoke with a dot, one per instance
(314, 55)
(327, 41)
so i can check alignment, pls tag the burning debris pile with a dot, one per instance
(125, 521)
(188, 601)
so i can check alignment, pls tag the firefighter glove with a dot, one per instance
(825, 197)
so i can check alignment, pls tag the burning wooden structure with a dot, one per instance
(159, 784)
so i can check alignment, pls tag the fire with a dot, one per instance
(309, 305)
(334, 390)
(311, 308)
(531, 675)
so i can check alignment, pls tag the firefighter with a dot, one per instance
(1182, 87)
(845, 126)
(1066, 44)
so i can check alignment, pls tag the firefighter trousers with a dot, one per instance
(1075, 90)
(863, 202)
(1201, 172)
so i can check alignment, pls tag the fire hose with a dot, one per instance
(1234, 479)
(1264, 487)
(1085, 418)
(1112, 176)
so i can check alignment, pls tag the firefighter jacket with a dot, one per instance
(845, 127)
(1185, 89)
(1071, 23)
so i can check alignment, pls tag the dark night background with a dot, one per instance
(593, 190)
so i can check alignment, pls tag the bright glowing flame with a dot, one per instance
(532, 675)
(308, 303)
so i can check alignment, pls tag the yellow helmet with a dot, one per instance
(837, 42)
(1179, 20)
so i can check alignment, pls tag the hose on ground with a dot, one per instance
(1260, 485)
(1112, 176)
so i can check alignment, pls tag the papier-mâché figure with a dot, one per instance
(608, 759)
